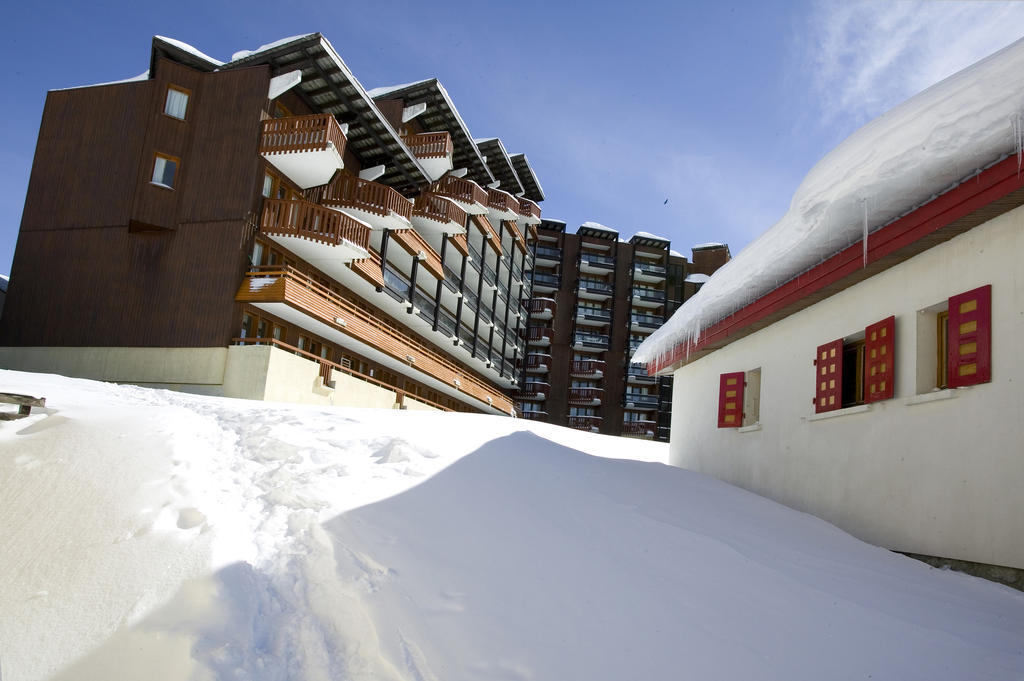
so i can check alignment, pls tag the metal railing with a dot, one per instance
(595, 286)
(591, 339)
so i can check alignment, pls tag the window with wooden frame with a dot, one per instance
(955, 341)
(176, 102)
(165, 170)
(859, 369)
(739, 399)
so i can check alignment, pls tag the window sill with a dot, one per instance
(934, 396)
(857, 409)
(749, 429)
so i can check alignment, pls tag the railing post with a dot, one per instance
(440, 283)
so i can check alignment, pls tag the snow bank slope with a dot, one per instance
(893, 164)
(148, 534)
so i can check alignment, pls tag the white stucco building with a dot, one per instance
(881, 388)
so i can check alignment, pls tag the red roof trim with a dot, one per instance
(988, 186)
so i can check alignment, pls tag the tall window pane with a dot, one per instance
(176, 104)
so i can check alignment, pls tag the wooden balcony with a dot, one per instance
(529, 212)
(313, 232)
(470, 196)
(487, 229)
(587, 368)
(590, 423)
(416, 246)
(534, 415)
(308, 149)
(588, 397)
(639, 429)
(539, 336)
(502, 205)
(370, 269)
(533, 390)
(535, 363)
(432, 213)
(291, 295)
(433, 150)
(541, 308)
(375, 203)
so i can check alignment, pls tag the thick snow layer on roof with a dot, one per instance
(648, 235)
(188, 48)
(598, 225)
(387, 89)
(151, 534)
(697, 278)
(676, 254)
(899, 161)
(242, 54)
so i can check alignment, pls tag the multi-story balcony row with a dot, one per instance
(542, 308)
(587, 368)
(533, 390)
(539, 336)
(536, 363)
(640, 401)
(592, 315)
(645, 296)
(644, 429)
(591, 341)
(596, 263)
(547, 255)
(645, 322)
(546, 283)
(649, 272)
(589, 397)
(588, 423)
(594, 289)
(637, 375)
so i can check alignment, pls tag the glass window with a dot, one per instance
(164, 170)
(176, 103)
(268, 185)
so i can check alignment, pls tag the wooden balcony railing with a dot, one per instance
(310, 221)
(587, 367)
(529, 209)
(643, 429)
(290, 286)
(347, 190)
(532, 390)
(534, 360)
(585, 422)
(327, 368)
(435, 207)
(585, 395)
(430, 144)
(536, 333)
(538, 306)
(502, 201)
(414, 244)
(301, 133)
(460, 189)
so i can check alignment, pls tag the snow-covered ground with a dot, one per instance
(155, 535)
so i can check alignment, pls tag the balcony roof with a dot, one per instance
(328, 86)
(441, 114)
(531, 185)
(552, 225)
(500, 164)
(595, 230)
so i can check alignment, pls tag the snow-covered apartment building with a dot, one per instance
(268, 228)
(862, 361)
(597, 296)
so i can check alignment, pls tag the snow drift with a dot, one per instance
(157, 535)
(897, 162)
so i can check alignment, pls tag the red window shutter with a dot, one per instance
(969, 334)
(828, 372)
(879, 360)
(730, 400)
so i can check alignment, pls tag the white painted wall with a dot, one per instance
(942, 477)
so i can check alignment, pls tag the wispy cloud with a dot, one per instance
(869, 55)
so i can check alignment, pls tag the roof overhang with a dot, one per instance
(501, 165)
(996, 190)
(441, 115)
(531, 185)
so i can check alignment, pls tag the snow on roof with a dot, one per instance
(388, 89)
(598, 225)
(696, 278)
(676, 254)
(648, 235)
(242, 54)
(142, 76)
(710, 244)
(191, 50)
(899, 161)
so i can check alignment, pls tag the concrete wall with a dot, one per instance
(938, 473)
(254, 372)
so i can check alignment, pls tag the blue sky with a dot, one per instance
(720, 108)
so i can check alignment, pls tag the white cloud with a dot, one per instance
(869, 55)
